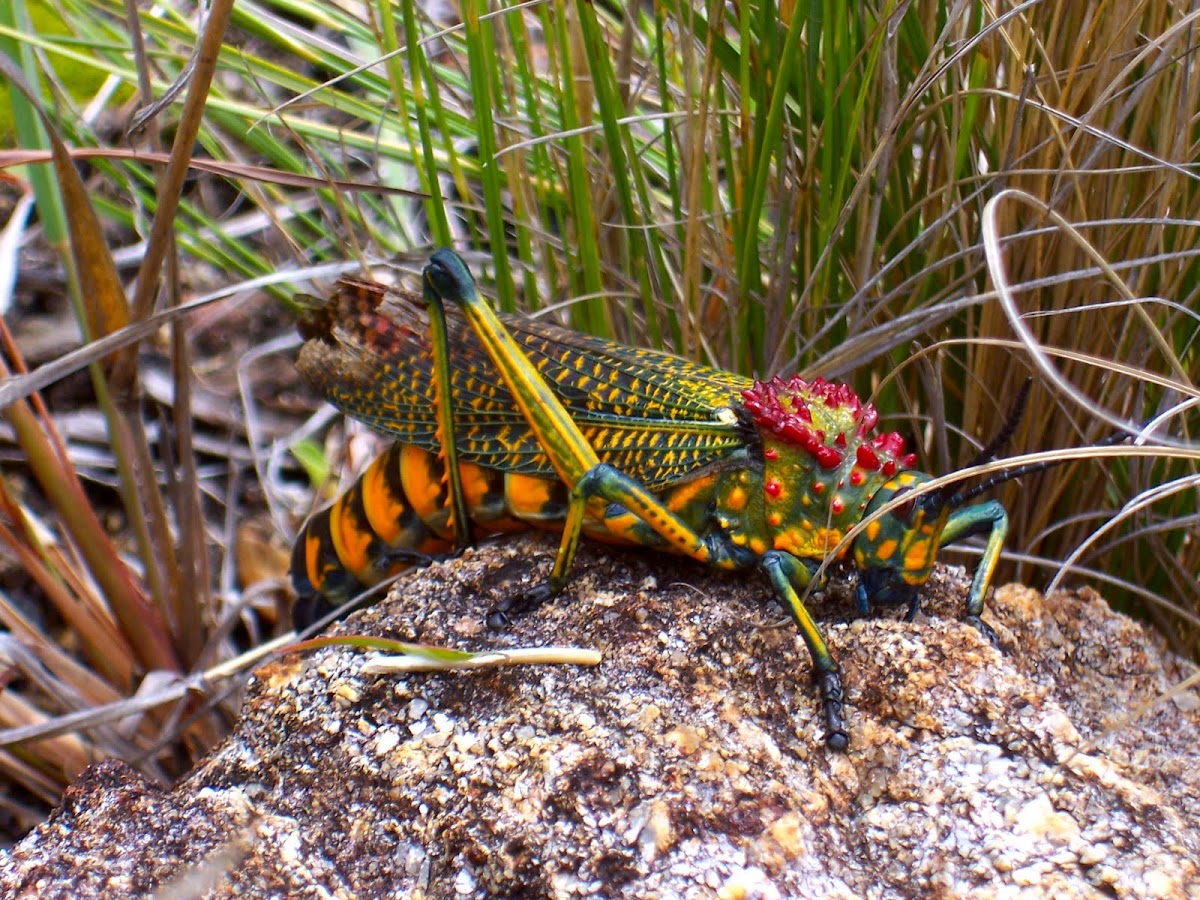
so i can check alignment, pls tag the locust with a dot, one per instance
(502, 422)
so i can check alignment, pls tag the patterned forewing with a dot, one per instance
(653, 415)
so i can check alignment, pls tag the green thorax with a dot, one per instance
(822, 461)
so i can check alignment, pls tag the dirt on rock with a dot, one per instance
(690, 763)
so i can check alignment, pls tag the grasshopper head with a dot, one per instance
(895, 554)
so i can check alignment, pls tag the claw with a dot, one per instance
(501, 616)
(832, 702)
(837, 740)
(914, 607)
(497, 619)
(985, 629)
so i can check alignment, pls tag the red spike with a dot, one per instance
(785, 407)
(867, 458)
(828, 457)
(890, 444)
(795, 433)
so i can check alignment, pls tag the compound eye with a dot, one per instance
(904, 512)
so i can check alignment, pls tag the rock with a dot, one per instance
(691, 763)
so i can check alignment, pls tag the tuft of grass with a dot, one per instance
(932, 200)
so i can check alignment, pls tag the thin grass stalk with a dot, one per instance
(589, 316)
(189, 581)
(666, 82)
(481, 62)
(749, 272)
(435, 207)
(162, 562)
(507, 158)
(542, 207)
(176, 587)
(90, 273)
(642, 252)
(94, 688)
(171, 182)
(56, 756)
(699, 80)
(517, 161)
(140, 619)
(14, 17)
(32, 777)
(34, 133)
(103, 648)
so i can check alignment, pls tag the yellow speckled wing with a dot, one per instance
(653, 415)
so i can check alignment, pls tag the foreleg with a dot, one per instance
(987, 518)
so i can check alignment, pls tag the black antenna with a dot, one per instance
(935, 499)
(1010, 425)
(987, 484)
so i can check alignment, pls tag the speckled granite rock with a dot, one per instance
(689, 764)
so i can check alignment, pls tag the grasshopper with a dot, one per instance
(504, 423)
